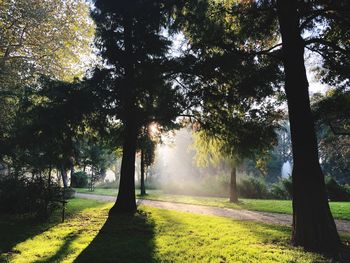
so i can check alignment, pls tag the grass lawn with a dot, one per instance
(340, 210)
(150, 235)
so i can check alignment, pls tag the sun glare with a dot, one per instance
(154, 129)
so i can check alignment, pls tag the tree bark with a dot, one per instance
(64, 177)
(143, 188)
(72, 171)
(313, 224)
(233, 184)
(126, 201)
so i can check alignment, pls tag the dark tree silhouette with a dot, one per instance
(135, 86)
(313, 224)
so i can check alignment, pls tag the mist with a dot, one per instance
(175, 170)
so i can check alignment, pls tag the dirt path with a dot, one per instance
(343, 226)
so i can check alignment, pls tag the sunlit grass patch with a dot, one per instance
(155, 235)
(54, 241)
(183, 237)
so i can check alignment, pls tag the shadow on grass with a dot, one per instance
(15, 229)
(123, 238)
(64, 249)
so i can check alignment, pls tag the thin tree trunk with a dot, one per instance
(143, 188)
(233, 184)
(72, 171)
(64, 177)
(47, 199)
(313, 224)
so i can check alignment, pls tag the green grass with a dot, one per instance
(150, 235)
(340, 210)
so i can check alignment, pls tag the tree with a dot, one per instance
(301, 25)
(47, 37)
(135, 88)
(147, 146)
(45, 126)
(39, 38)
(213, 151)
(332, 115)
(313, 224)
(234, 88)
(95, 153)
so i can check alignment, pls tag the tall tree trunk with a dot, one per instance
(48, 196)
(233, 184)
(126, 201)
(143, 188)
(64, 176)
(72, 171)
(313, 224)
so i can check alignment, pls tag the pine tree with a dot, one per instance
(135, 85)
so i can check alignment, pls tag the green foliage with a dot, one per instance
(21, 195)
(113, 186)
(79, 180)
(96, 153)
(233, 85)
(282, 189)
(30, 43)
(252, 187)
(209, 150)
(136, 82)
(335, 191)
(333, 123)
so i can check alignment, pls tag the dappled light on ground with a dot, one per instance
(56, 242)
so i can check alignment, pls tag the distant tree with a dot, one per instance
(232, 143)
(147, 145)
(234, 87)
(96, 154)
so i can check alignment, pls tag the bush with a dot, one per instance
(335, 191)
(252, 187)
(282, 189)
(21, 195)
(68, 193)
(79, 180)
(107, 185)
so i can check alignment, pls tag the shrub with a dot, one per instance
(107, 185)
(68, 193)
(21, 195)
(282, 189)
(252, 187)
(79, 180)
(335, 191)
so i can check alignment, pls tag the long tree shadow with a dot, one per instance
(123, 238)
(15, 229)
(64, 249)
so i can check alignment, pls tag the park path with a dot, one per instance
(343, 226)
